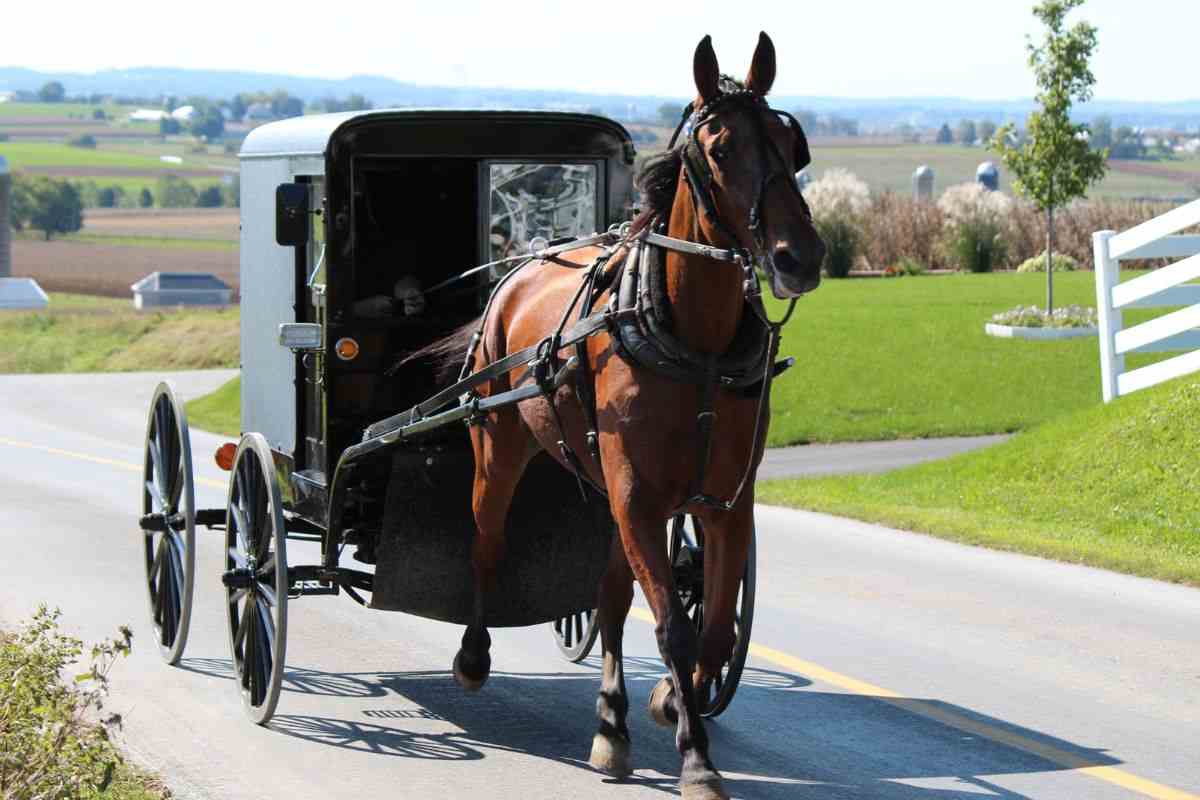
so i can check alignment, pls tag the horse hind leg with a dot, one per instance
(502, 451)
(611, 744)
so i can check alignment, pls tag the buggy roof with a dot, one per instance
(310, 135)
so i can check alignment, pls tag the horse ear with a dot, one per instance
(705, 69)
(762, 68)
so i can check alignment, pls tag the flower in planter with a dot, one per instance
(1034, 317)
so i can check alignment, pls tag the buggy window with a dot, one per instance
(528, 200)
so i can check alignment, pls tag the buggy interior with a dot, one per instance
(408, 235)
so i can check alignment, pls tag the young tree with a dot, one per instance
(1102, 133)
(1056, 164)
(944, 134)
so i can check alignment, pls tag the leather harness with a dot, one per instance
(637, 315)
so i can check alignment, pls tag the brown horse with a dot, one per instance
(646, 422)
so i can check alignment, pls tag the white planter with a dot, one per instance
(1014, 332)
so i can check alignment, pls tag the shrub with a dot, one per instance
(210, 197)
(974, 227)
(51, 746)
(909, 266)
(145, 198)
(839, 202)
(85, 140)
(176, 192)
(109, 196)
(898, 227)
(1061, 263)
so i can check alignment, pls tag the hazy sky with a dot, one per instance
(849, 48)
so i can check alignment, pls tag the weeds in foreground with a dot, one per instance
(55, 734)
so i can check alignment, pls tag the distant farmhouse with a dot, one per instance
(182, 114)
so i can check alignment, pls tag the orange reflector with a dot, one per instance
(346, 349)
(224, 456)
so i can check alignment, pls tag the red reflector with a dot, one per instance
(224, 456)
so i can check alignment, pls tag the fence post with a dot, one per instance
(1109, 318)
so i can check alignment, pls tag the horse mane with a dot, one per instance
(657, 180)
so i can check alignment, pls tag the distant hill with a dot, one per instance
(385, 92)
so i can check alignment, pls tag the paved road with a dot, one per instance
(886, 665)
(834, 459)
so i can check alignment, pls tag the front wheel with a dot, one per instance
(576, 634)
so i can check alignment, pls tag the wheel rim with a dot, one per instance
(255, 551)
(687, 561)
(168, 496)
(575, 634)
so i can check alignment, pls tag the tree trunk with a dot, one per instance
(1050, 260)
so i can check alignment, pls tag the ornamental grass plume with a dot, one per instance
(839, 202)
(975, 218)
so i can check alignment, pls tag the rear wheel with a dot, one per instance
(256, 578)
(576, 634)
(687, 563)
(168, 522)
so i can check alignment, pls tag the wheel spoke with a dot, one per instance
(268, 626)
(262, 656)
(156, 497)
(267, 567)
(268, 594)
(239, 560)
(240, 524)
(156, 567)
(248, 655)
(579, 627)
(236, 596)
(240, 637)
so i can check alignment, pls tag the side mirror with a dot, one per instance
(291, 214)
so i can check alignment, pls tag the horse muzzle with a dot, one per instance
(792, 276)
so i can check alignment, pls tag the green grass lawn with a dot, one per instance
(891, 167)
(1114, 486)
(50, 154)
(218, 412)
(61, 110)
(157, 242)
(907, 358)
(77, 333)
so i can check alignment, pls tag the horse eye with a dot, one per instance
(720, 152)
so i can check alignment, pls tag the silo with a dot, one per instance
(922, 181)
(5, 222)
(988, 176)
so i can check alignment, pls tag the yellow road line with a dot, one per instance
(108, 462)
(923, 708)
(1054, 755)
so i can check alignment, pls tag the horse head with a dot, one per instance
(741, 157)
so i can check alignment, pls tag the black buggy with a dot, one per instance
(346, 221)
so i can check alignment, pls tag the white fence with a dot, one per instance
(1162, 287)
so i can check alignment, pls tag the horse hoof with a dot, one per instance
(662, 704)
(610, 754)
(707, 786)
(471, 679)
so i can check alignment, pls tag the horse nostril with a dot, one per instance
(785, 262)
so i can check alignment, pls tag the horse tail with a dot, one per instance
(446, 354)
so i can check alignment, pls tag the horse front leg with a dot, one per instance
(502, 451)
(642, 535)
(727, 538)
(610, 745)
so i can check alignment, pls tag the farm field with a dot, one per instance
(100, 268)
(1111, 486)
(888, 165)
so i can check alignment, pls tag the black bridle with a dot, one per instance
(773, 165)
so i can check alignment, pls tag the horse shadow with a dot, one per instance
(779, 738)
